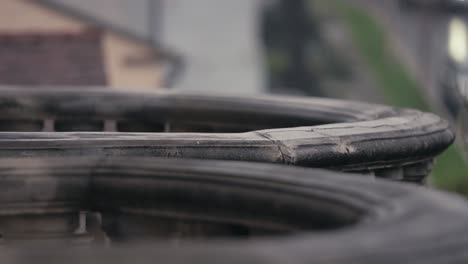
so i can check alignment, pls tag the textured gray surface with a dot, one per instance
(310, 132)
(360, 221)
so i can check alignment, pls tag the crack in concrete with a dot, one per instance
(286, 154)
(345, 148)
(342, 146)
(350, 127)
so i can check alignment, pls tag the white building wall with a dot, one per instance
(219, 42)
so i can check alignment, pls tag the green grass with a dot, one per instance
(399, 88)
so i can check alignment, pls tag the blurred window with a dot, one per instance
(457, 40)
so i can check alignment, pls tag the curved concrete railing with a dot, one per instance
(311, 132)
(278, 208)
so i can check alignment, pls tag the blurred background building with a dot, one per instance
(42, 43)
(407, 53)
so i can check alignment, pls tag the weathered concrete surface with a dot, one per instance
(312, 132)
